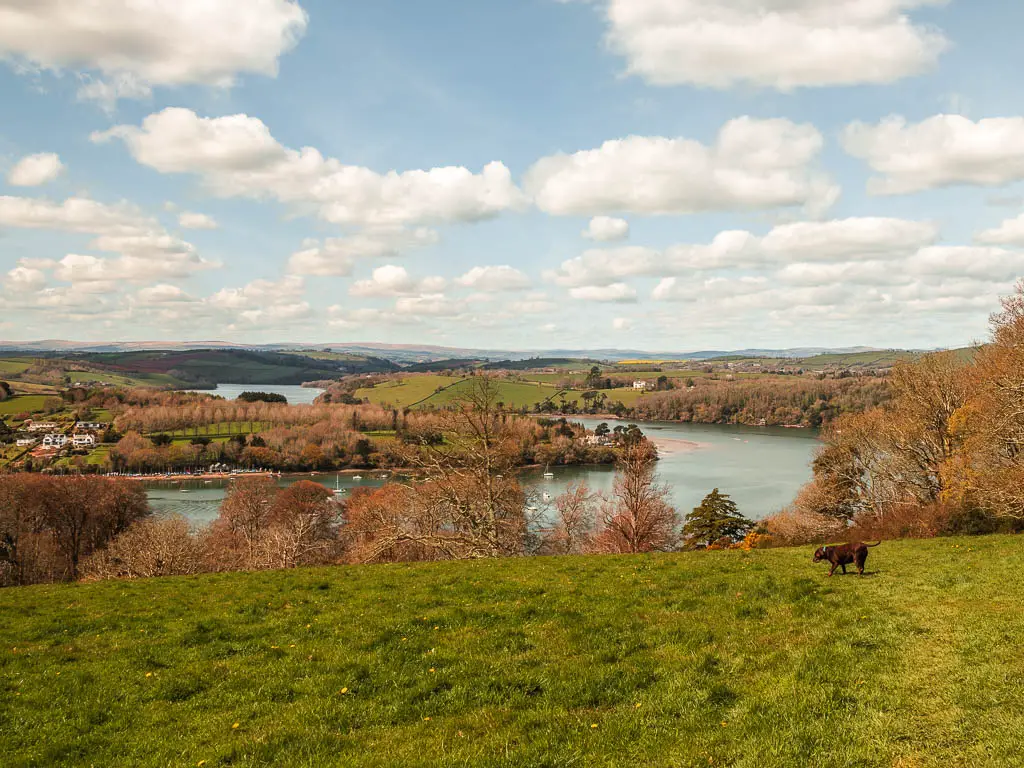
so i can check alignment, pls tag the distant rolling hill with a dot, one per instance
(209, 367)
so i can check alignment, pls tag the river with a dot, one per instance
(295, 394)
(762, 468)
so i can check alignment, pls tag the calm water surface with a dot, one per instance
(761, 468)
(296, 395)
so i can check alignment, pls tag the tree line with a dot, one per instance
(945, 454)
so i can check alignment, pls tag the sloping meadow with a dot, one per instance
(727, 658)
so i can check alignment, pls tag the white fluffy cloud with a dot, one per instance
(124, 47)
(236, 156)
(783, 44)
(337, 256)
(606, 229)
(23, 278)
(164, 293)
(938, 152)
(1010, 232)
(262, 304)
(190, 220)
(616, 292)
(494, 279)
(391, 281)
(35, 170)
(146, 251)
(429, 305)
(345, 317)
(753, 165)
(715, 288)
(828, 241)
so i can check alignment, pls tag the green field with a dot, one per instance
(856, 360)
(420, 390)
(13, 365)
(407, 390)
(739, 659)
(133, 380)
(22, 404)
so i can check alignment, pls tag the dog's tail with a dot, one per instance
(873, 545)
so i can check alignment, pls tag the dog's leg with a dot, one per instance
(832, 569)
(844, 569)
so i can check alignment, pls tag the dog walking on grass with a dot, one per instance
(844, 554)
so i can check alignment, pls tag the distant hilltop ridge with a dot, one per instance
(423, 353)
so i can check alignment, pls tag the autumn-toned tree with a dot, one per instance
(637, 517)
(301, 527)
(991, 471)
(20, 529)
(575, 521)
(48, 524)
(470, 504)
(244, 517)
(156, 546)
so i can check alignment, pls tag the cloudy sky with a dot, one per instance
(654, 174)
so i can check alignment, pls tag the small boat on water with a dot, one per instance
(548, 473)
(358, 477)
(338, 490)
(184, 490)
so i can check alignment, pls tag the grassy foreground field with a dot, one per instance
(737, 659)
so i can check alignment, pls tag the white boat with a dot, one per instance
(358, 477)
(338, 490)
(548, 473)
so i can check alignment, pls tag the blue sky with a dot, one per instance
(759, 172)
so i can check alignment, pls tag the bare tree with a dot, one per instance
(150, 547)
(470, 504)
(244, 518)
(636, 517)
(575, 521)
(301, 527)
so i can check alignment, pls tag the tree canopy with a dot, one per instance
(716, 518)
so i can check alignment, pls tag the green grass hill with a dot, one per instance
(752, 659)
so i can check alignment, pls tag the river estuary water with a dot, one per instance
(762, 468)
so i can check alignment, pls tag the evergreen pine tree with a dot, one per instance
(715, 518)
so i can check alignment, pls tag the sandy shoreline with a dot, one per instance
(667, 446)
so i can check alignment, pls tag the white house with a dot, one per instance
(642, 385)
(83, 441)
(41, 426)
(56, 440)
(91, 426)
(25, 442)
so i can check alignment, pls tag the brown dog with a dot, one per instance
(844, 554)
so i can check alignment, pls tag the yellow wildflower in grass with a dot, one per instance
(724, 723)
(344, 690)
(426, 718)
(149, 674)
(593, 725)
(235, 726)
(431, 669)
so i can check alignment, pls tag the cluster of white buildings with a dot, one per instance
(643, 385)
(42, 426)
(83, 437)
